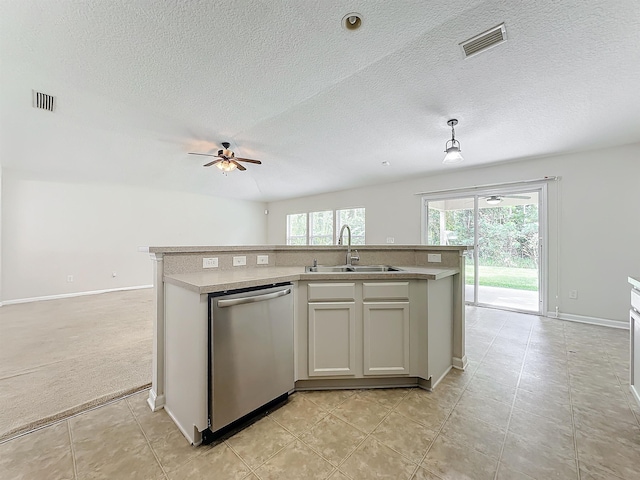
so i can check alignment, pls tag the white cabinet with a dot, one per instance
(358, 329)
(331, 329)
(385, 315)
(365, 333)
(386, 338)
(332, 338)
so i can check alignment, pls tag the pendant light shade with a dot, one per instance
(452, 146)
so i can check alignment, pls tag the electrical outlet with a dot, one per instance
(262, 260)
(210, 262)
(573, 294)
(391, 240)
(434, 257)
(239, 261)
(70, 278)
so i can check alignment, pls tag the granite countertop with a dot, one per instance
(221, 280)
(635, 281)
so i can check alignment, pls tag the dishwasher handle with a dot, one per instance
(256, 298)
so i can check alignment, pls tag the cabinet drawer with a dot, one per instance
(385, 291)
(635, 299)
(331, 292)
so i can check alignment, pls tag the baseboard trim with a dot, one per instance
(319, 383)
(446, 372)
(155, 402)
(602, 322)
(459, 363)
(70, 295)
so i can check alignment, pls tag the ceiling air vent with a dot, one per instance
(44, 101)
(480, 43)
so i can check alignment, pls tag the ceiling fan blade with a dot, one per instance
(240, 167)
(211, 163)
(203, 154)
(518, 196)
(247, 160)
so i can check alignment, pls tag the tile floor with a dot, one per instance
(541, 399)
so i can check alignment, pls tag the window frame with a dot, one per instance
(335, 213)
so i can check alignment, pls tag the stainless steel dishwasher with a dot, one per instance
(250, 353)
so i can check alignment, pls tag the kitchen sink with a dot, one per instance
(351, 269)
(328, 269)
(374, 268)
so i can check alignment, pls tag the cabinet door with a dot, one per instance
(332, 330)
(386, 338)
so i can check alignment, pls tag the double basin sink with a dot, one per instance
(351, 269)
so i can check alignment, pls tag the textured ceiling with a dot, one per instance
(141, 83)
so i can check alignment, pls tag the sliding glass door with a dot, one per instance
(509, 251)
(452, 222)
(503, 228)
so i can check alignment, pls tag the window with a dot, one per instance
(322, 228)
(354, 217)
(297, 229)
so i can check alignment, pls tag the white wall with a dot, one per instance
(51, 230)
(593, 248)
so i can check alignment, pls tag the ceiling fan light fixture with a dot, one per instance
(494, 200)
(452, 147)
(227, 160)
(226, 166)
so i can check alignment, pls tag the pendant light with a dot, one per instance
(452, 147)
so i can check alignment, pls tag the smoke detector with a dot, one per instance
(486, 40)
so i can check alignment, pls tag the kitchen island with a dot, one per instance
(351, 329)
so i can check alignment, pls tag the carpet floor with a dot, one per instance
(60, 357)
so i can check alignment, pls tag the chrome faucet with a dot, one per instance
(350, 258)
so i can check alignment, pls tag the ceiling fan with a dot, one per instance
(496, 199)
(226, 159)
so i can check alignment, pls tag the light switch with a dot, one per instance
(262, 260)
(239, 261)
